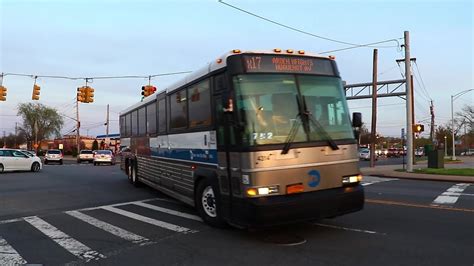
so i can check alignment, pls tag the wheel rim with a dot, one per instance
(35, 167)
(208, 201)
(134, 175)
(129, 172)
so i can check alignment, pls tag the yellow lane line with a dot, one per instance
(407, 204)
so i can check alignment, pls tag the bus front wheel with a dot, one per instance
(208, 203)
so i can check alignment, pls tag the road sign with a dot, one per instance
(61, 146)
(35, 145)
(403, 133)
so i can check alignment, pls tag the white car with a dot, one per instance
(364, 154)
(104, 156)
(53, 156)
(15, 160)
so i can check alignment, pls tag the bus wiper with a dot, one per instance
(291, 134)
(321, 130)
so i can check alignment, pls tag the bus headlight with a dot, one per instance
(351, 179)
(262, 191)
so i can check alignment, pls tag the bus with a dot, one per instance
(253, 139)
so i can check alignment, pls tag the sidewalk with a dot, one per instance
(389, 171)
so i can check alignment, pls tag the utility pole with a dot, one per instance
(432, 127)
(107, 128)
(4, 139)
(78, 125)
(409, 105)
(412, 115)
(36, 136)
(374, 110)
(16, 133)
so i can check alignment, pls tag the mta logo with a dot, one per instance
(315, 178)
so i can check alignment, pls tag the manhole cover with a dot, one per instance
(284, 240)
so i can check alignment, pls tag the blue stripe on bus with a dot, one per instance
(196, 155)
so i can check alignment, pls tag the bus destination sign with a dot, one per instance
(287, 64)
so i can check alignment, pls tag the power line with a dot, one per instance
(89, 79)
(421, 78)
(354, 45)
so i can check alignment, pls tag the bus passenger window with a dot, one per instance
(178, 110)
(162, 116)
(199, 104)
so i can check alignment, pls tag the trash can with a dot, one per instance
(436, 159)
(428, 148)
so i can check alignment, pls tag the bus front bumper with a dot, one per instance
(276, 210)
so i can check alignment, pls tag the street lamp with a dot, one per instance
(445, 147)
(454, 97)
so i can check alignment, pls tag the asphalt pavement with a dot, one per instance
(84, 214)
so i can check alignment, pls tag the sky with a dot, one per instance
(113, 38)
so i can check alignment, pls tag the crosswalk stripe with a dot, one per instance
(8, 255)
(451, 195)
(115, 230)
(168, 211)
(148, 220)
(70, 244)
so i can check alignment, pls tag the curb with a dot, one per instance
(431, 178)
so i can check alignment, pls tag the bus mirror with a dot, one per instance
(356, 119)
(229, 106)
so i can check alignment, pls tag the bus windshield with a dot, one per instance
(271, 104)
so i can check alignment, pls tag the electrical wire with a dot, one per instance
(421, 78)
(89, 79)
(354, 45)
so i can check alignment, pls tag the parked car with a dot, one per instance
(15, 160)
(419, 152)
(364, 154)
(85, 156)
(53, 156)
(393, 152)
(104, 156)
(469, 152)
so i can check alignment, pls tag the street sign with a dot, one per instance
(61, 146)
(403, 133)
(35, 145)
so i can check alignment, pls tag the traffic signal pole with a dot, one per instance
(409, 105)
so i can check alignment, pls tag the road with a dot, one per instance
(75, 214)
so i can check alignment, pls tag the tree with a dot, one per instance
(39, 121)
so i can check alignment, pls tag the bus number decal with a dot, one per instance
(253, 63)
(263, 135)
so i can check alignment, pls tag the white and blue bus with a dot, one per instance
(254, 138)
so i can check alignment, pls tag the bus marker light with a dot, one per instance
(277, 50)
(301, 51)
(252, 192)
(193, 167)
(219, 61)
(296, 188)
(236, 51)
(290, 51)
(332, 57)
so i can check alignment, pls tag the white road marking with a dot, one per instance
(168, 211)
(123, 203)
(450, 196)
(348, 229)
(70, 244)
(8, 255)
(148, 220)
(115, 230)
(11, 221)
(370, 180)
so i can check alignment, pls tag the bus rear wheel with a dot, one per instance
(208, 203)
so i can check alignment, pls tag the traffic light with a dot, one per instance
(418, 128)
(148, 90)
(3, 93)
(89, 95)
(81, 94)
(36, 92)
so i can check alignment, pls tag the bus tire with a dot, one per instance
(208, 203)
